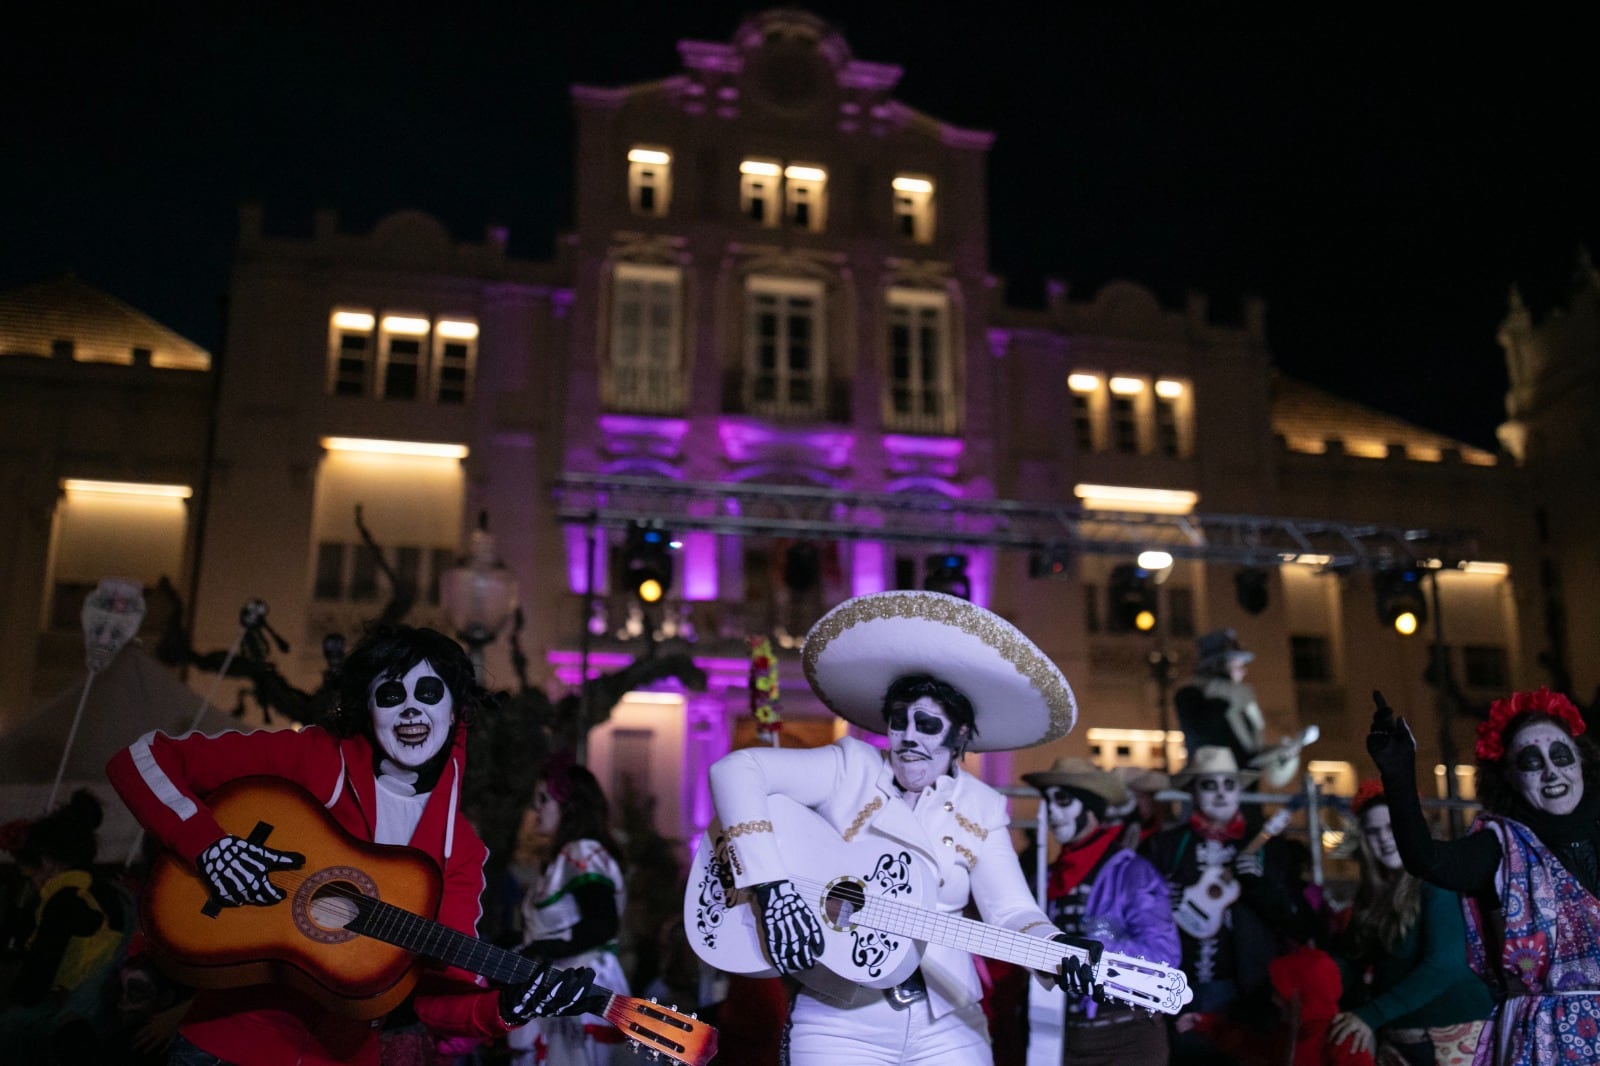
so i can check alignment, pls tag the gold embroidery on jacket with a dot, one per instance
(972, 860)
(972, 827)
(744, 828)
(861, 817)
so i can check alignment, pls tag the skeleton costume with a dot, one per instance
(1099, 888)
(1528, 872)
(915, 799)
(1209, 849)
(397, 780)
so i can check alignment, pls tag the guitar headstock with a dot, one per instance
(663, 1031)
(1150, 986)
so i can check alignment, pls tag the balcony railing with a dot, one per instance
(650, 390)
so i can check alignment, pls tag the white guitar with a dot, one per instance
(1279, 764)
(874, 901)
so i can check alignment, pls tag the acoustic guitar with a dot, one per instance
(354, 925)
(875, 902)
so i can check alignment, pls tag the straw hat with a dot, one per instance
(1138, 779)
(1075, 772)
(1213, 759)
(1019, 697)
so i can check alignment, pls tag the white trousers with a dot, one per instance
(875, 1034)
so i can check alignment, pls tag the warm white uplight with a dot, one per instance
(805, 174)
(464, 331)
(369, 446)
(1168, 389)
(1127, 386)
(1154, 560)
(1135, 498)
(1083, 383)
(1305, 558)
(648, 155)
(411, 327)
(755, 166)
(1486, 568)
(905, 184)
(125, 488)
(353, 320)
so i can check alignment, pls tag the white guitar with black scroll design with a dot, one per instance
(875, 902)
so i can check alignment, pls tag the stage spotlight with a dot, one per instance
(1250, 585)
(947, 573)
(1401, 601)
(647, 562)
(1133, 599)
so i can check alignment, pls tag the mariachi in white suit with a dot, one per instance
(952, 824)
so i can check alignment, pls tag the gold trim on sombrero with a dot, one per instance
(1000, 636)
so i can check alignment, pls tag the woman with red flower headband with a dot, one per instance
(1529, 872)
(1409, 993)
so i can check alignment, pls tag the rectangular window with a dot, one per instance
(1310, 659)
(1180, 611)
(1124, 425)
(1172, 412)
(454, 358)
(1085, 392)
(913, 208)
(759, 184)
(1091, 608)
(350, 353)
(805, 197)
(644, 372)
(785, 359)
(330, 572)
(649, 181)
(920, 386)
(403, 342)
(363, 574)
(1486, 667)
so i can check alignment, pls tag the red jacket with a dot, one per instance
(164, 782)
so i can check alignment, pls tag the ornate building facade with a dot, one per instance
(774, 317)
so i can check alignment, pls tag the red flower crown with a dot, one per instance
(1370, 792)
(1491, 746)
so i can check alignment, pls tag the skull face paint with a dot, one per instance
(1216, 797)
(411, 715)
(1068, 816)
(1378, 831)
(1544, 767)
(921, 739)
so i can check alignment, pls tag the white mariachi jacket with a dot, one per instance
(960, 826)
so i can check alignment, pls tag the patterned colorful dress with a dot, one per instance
(1549, 965)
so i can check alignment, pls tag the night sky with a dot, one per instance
(1380, 185)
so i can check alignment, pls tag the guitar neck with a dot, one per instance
(430, 939)
(965, 934)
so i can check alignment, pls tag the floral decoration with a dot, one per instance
(1502, 713)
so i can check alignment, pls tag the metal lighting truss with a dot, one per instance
(803, 512)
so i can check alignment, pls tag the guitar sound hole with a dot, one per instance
(844, 898)
(331, 905)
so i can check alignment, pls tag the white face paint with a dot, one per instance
(411, 715)
(1544, 767)
(1377, 829)
(1069, 818)
(547, 810)
(918, 749)
(1216, 797)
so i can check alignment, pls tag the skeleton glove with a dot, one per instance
(1077, 973)
(552, 991)
(237, 871)
(793, 934)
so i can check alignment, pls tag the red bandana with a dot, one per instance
(1234, 830)
(1076, 860)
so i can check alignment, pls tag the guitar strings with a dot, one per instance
(1038, 953)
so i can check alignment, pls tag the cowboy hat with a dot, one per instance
(855, 651)
(1218, 647)
(1076, 772)
(1213, 759)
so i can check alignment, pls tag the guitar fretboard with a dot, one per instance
(392, 925)
(990, 941)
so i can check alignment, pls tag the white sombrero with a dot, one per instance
(1019, 697)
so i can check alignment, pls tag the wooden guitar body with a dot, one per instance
(302, 941)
